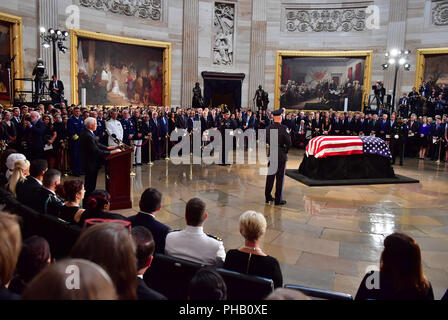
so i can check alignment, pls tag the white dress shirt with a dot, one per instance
(114, 127)
(194, 245)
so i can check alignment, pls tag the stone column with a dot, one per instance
(189, 50)
(48, 18)
(257, 49)
(396, 36)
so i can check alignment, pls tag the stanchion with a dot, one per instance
(150, 163)
(132, 159)
(191, 143)
(167, 141)
(65, 150)
(440, 151)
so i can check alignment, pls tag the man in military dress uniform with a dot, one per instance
(193, 243)
(75, 126)
(284, 143)
(224, 123)
(137, 122)
(128, 128)
(114, 129)
(398, 135)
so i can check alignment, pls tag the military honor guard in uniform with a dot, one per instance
(137, 122)
(284, 143)
(114, 129)
(224, 123)
(75, 126)
(398, 135)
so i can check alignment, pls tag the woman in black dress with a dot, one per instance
(326, 126)
(250, 259)
(401, 274)
(72, 191)
(50, 136)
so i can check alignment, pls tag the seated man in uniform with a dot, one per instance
(192, 243)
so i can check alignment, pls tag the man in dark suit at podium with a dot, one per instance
(92, 154)
(150, 204)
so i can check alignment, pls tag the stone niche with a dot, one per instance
(344, 17)
(223, 33)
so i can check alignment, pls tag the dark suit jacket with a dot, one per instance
(35, 136)
(5, 294)
(146, 293)
(284, 140)
(92, 152)
(159, 230)
(213, 123)
(25, 189)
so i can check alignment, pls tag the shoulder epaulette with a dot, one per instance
(214, 237)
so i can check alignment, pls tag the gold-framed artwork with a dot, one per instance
(431, 65)
(119, 71)
(320, 80)
(11, 53)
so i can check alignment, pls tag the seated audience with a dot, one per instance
(207, 284)
(72, 191)
(33, 182)
(19, 174)
(144, 243)
(10, 245)
(150, 204)
(192, 243)
(250, 259)
(98, 206)
(45, 199)
(33, 258)
(110, 245)
(401, 274)
(55, 283)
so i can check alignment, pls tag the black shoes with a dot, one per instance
(281, 203)
(268, 200)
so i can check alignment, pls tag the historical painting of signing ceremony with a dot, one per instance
(219, 155)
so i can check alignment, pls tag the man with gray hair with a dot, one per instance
(92, 154)
(34, 134)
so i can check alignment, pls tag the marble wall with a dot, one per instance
(260, 29)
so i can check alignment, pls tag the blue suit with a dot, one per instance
(75, 127)
(159, 230)
(128, 129)
(35, 139)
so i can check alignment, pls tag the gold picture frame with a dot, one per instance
(167, 46)
(367, 54)
(16, 47)
(421, 63)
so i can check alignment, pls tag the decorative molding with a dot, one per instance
(326, 19)
(223, 33)
(145, 9)
(440, 13)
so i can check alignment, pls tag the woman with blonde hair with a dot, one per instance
(19, 174)
(250, 258)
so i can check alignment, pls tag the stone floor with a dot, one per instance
(325, 237)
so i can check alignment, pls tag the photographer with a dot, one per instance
(380, 93)
(40, 74)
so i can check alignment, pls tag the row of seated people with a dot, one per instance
(401, 275)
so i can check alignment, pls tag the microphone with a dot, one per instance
(114, 136)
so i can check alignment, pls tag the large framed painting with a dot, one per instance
(311, 80)
(432, 67)
(117, 71)
(11, 59)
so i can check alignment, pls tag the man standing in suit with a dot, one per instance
(92, 154)
(56, 90)
(150, 204)
(284, 143)
(38, 167)
(34, 131)
(144, 249)
(45, 200)
(403, 105)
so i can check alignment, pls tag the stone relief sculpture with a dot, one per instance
(440, 13)
(146, 9)
(325, 20)
(224, 18)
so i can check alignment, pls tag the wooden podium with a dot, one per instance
(118, 179)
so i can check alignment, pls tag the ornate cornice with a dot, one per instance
(440, 13)
(145, 9)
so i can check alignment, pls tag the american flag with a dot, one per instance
(327, 146)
